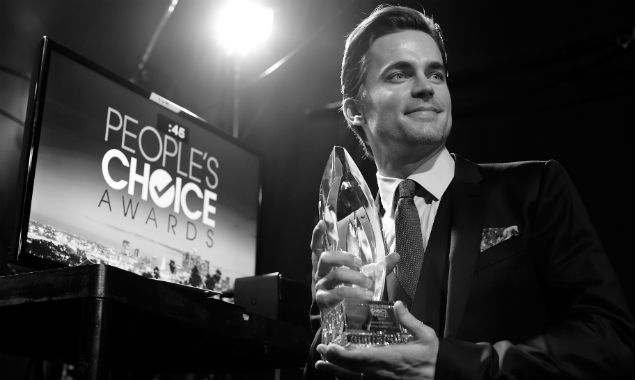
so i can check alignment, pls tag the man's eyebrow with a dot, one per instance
(399, 65)
(435, 65)
(402, 65)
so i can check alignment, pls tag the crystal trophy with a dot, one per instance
(353, 226)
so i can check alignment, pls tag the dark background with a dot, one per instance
(529, 80)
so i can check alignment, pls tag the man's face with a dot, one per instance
(405, 101)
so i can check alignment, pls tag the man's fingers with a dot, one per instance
(391, 261)
(338, 372)
(343, 275)
(317, 238)
(336, 286)
(336, 355)
(418, 329)
(356, 359)
(323, 237)
(331, 259)
(327, 299)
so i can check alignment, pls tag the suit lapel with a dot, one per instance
(466, 224)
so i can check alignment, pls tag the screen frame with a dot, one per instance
(30, 143)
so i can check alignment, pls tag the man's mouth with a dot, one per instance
(423, 109)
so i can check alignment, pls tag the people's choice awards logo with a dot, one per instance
(189, 190)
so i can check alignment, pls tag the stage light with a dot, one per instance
(241, 26)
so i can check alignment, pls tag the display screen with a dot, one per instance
(132, 180)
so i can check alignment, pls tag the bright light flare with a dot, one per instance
(241, 26)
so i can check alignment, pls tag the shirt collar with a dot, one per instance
(434, 175)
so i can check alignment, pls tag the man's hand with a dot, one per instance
(413, 360)
(332, 270)
(336, 274)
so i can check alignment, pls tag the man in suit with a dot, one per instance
(510, 280)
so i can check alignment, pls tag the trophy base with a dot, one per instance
(363, 323)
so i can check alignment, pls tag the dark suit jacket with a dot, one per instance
(542, 304)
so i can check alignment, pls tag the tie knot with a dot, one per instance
(406, 188)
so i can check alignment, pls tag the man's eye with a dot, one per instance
(398, 75)
(438, 75)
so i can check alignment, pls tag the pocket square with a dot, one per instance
(493, 236)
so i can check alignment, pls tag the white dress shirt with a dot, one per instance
(434, 175)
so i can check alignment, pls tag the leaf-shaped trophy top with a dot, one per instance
(345, 197)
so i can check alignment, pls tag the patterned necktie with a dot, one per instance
(408, 238)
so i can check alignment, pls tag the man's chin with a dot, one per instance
(429, 138)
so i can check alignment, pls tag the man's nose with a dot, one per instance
(422, 88)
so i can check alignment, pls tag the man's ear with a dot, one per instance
(352, 112)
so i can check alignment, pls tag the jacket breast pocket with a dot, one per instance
(506, 250)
